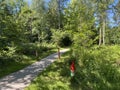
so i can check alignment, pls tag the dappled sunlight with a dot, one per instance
(22, 78)
(53, 77)
(93, 72)
(89, 30)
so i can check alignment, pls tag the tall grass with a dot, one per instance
(96, 68)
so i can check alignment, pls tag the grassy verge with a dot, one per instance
(55, 77)
(13, 66)
(96, 69)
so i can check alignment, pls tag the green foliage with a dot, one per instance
(61, 38)
(26, 30)
(113, 36)
(30, 49)
(56, 76)
(15, 58)
(8, 56)
(66, 40)
(80, 23)
(96, 68)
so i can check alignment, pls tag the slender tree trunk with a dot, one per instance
(58, 53)
(36, 51)
(103, 32)
(100, 36)
(59, 21)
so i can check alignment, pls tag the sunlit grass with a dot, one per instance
(96, 69)
(54, 77)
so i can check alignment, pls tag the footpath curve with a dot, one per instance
(22, 78)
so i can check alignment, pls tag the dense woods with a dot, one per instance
(90, 28)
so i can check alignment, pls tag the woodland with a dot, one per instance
(33, 29)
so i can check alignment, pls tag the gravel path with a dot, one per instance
(19, 80)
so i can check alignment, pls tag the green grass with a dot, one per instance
(12, 66)
(96, 69)
(55, 77)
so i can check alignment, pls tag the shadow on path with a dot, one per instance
(19, 80)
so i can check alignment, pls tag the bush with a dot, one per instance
(31, 49)
(6, 56)
(15, 54)
(66, 41)
(61, 38)
(95, 69)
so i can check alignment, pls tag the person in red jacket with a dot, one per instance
(72, 68)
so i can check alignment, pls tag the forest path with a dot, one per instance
(22, 78)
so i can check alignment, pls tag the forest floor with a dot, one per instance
(19, 80)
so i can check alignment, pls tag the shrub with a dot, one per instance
(95, 69)
(66, 41)
(6, 56)
(61, 38)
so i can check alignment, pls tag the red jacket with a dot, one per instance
(72, 67)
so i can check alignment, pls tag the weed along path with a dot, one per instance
(19, 80)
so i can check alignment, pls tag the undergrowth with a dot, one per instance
(96, 69)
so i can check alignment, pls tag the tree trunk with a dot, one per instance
(103, 32)
(58, 53)
(59, 22)
(100, 35)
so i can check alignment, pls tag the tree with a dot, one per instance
(40, 23)
(101, 8)
(8, 24)
(80, 22)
